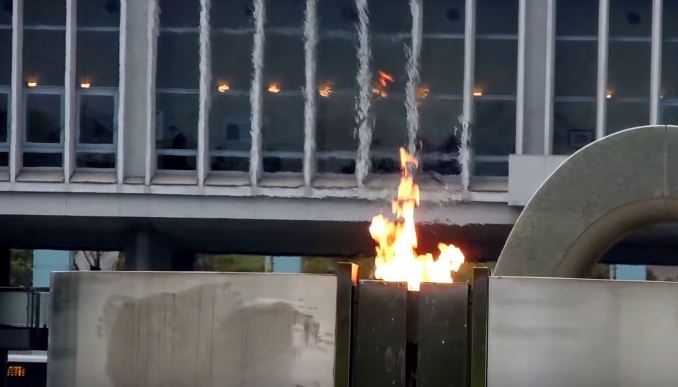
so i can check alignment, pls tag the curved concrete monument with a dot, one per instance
(600, 194)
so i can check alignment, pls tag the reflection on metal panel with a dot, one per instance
(585, 333)
(191, 329)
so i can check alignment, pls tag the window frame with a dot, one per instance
(40, 147)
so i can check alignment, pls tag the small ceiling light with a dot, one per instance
(423, 92)
(85, 84)
(477, 93)
(325, 89)
(609, 94)
(32, 83)
(274, 88)
(223, 87)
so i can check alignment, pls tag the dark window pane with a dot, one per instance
(4, 116)
(669, 75)
(577, 17)
(230, 132)
(95, 160)
(232, 14)
(44, 121)
(442, 66)
(444, 16)
(494, 133)
(179, 13)
(389, 57)
(176, 121)
(497, 17)
(337, 63)
(438, 137)
(669, 26)
(32, 159)
(389, 16)
(283, 130)
(630, 18)
(231, 62)
(178, 60)
(624, 115)
(4, 159)
(6, 7)
(227, 163)
(576, 68)
(176, 163)
(574, 125)
(97, 119)
(496, 66)
(6, 54)
(669, 114)
(99, 13)
(44, 56)
(337, 15)
(629, 69)
(44, 12)
(490, 168)
(335, 133)
(389, 133)
(97, 58)
(284, 58)
(285, 13)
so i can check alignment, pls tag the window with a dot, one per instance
(5, 78)
(97, 82)
(43, 60)
(574, 106)
(284, 80)
(230, 123)
(495, 90)
(628, 102)
(669, 89)
(177, 85)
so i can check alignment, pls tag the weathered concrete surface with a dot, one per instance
(601, 193)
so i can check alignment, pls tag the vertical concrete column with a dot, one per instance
(148, 250)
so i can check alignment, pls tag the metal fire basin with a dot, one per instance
(407, 338)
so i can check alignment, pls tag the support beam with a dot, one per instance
(70, 101)
(601, 88)
(310, 49)
(364, 80)
(469, 60)
(256, 98)
(411, 105)
(146, 250)
(16, 123)
(205, 92)
(549, 76)
(520, 87)
(152, 42)
(656, 62)
(122, 94)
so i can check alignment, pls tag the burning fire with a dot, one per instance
(396, 259)
(383, 80)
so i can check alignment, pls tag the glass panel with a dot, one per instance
(176, 163)
(497, 17)
(97, 124)
(438, 136)
(629, 69)
(444, 16)
(4, 116)
(32, 159)
(389, 56)
(490, 168)
(231, 63)
(337, 63)
(284, 62)
(624, 115)
(337, 15)
(576, 68)
(577, 17)
(6, 12)
(630, 18)
(669, 26)
(442, 66)
(179, 13)
(669, 75)
(6, 54)
(45, 12)
(335, 133)
(178, 61)
(4, 159)
(285, 13)
(44, 120)
(574, 126)
(95, 160)
(390, 16)
(99, 13)
(496, 66)
(230, 127)
(389, 133)
(494, 132)
(44, 56)
(283, 130)
(232, 14)
(176, 121)
(669, 114)
(226, 163)
(97, 62)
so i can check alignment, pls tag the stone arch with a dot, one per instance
(601, 193)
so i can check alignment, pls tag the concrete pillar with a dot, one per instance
(5, 255)
(148, 250)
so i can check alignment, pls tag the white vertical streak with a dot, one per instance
(414, 55)
(469, 59)
(364, 102)
(465, 156)
(205, 91)
(16, 123)
(656, 63)
(601, 87)
(549, 75)
(152, 37)
(70, 103)
(256, 90)
(310, 49)
(520, 87)
(122, 97)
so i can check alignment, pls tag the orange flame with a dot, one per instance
(383, 80)
(397, 260)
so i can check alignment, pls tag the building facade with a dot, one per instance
(165, 128)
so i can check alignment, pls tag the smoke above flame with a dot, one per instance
(396, 259)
